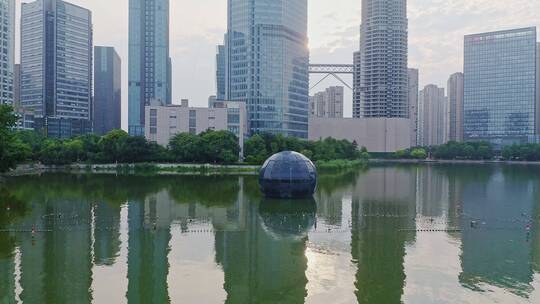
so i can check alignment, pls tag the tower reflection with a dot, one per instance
(266, 262)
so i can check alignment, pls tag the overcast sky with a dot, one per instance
(436, 30)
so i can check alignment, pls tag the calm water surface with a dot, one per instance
(407, 234)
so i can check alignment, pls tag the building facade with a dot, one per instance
(499, 86)
(538, 89)
(434, 114)
(149, 61)
(7, 49)
(384, 47)
(108, 90)
(220, 72)
(357, 84)
(455, 107)
(376, 134)
(167, 121)
(267, 64)
(56, 63)
(328, 103)
(413, 104)
(17, 86)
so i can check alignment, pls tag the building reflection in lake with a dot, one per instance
(383, 203)
(261, 250)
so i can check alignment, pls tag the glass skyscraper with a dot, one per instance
(455, 104)
(383, 48)
(108, 90)
(499, 86)
(7, 50)
(56, 65)
(267, 60)
(220, 72)
(149, 61)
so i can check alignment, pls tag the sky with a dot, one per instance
(436, 30)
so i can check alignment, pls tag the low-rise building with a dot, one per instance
(167, 121)
(376, 134)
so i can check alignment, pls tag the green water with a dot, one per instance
(405, 234)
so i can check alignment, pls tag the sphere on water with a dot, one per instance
(288, 175)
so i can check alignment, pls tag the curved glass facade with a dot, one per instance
(267, 62)
(288, 175)
(499, 86)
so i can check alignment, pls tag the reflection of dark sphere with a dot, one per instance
(288, 175)
(285, 218)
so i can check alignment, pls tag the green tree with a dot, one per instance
(185, 147)
(111, 145)
(255, 150)
(220, 147)
(419, 153)
(12, 149)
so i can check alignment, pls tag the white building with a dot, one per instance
(433, 116)
(328, 103)
(167, 121)
(376, 134)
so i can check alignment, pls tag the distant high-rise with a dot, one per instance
(328, 103)
(108, 90)
(455, 110)
(499, 86)
(17, 85)
(220, 72)
(267, 64)
(56, 66)
(434, 116)
(538, 89)
(149, 61)
(413, 104)
(357, 76)
(7, 49)
(383, 47)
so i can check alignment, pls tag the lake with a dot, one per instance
(387, 234)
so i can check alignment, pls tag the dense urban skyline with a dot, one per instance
(436, 30)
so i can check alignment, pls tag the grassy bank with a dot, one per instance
(174, 169)
(340, 164)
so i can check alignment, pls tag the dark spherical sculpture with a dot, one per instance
(288, 175)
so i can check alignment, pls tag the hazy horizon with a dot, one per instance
(436, 30)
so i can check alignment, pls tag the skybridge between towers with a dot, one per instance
(334, 70)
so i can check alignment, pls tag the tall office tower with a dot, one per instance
(383, 44)
(413, 104)
(538, 89)
(220, 72)
(149, 61)
(17, 85)
(7, 49)
(455, 110)
(108, 90)
(56, 66)
(357, 76)
(267, 61)
(328, 103)
(434, 116)
(499, 87)
(420, 130)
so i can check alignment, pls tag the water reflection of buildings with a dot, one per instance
(498, 252)
(383, 203)
(56, 266)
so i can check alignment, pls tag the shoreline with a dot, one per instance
(454, 162)
(141, 169)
